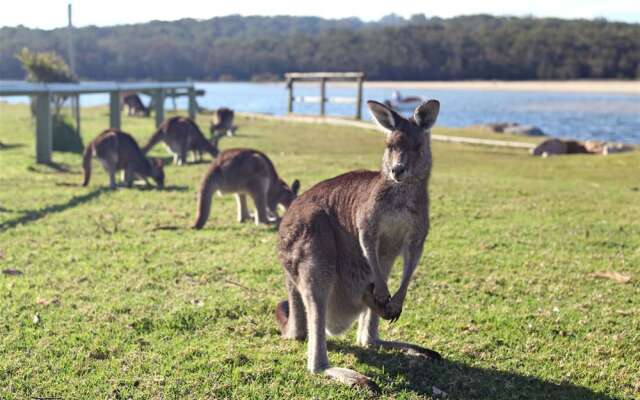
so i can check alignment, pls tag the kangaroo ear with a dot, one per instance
(383, 115)
(426, 114)
(295, 186)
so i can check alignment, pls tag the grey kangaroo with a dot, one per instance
(338, 241)
(245, 171)
(181, 135)
(223, 123)
(118, 150)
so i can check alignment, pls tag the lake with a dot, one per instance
(600, 116)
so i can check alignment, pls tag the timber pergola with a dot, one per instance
(43, 93)
(323, 78)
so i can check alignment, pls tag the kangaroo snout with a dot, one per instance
(398, 170)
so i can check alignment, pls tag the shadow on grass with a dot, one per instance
(50, 167)
(4, 146)
(170, 188)
(34, 215)
(461, 381)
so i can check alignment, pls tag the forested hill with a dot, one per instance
(419, 48)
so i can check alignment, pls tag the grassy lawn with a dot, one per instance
(118, 298)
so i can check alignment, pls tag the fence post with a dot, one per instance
(359, 99)
(290, 104)
(114, 110)
(193, 107)
(158, 103)
(323, 92)
(43, 128)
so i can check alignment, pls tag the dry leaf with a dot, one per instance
(11, 272)
(46, 302)
(612, 275)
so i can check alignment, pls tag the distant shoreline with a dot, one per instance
(586, 86)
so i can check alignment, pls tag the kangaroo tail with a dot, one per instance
(86, 163)
(204, 198)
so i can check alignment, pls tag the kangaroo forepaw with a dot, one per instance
(352, 378)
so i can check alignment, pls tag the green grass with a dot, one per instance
(130, 303)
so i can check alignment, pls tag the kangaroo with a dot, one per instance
(135, 106)
(338, 242)
(245, 171)
(223, 123)
(117, 150)
(181, 135)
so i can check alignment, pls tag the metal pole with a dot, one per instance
(359, 99)
(290, 104)
(72, 58)
(323, 90)
(158, 104)
(43, 128)
(114, 110)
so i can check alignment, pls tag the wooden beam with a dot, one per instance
(334, 76)
(323, 92)
(158, 104)
(193, 105)
(291, 97)
(114, 110)
(43, 128)
(359, 99)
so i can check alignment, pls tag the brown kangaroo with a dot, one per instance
(245, 171)
(135, 106)
(223, 123)
(338, 242)
(181, 135)
(117, 150)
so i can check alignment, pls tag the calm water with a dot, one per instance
(571, 115)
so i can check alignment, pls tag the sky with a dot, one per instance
(48, 14)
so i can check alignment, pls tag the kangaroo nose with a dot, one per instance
(397, 169)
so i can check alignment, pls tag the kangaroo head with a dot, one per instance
(157, 172)
(407, 156)
(283, 195)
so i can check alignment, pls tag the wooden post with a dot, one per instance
(114, 110)
(193, 106)
(290, 104)
(158, 103)
(359, 100)
(43, 128)
(323, 91)
(76, 111)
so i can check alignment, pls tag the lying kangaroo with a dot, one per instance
(182, 135)
(245, 171)
(117, 150)
(338, 242)
(135, 106)
(223, 123)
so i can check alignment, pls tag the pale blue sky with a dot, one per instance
(52, 13)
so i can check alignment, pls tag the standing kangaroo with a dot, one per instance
(181, 135)
(338, 241)
(118, 150)
(245, 171)
(223, 123)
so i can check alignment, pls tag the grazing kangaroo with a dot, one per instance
(338, 241)
(181, 135)
(223, 123)
(117, 150)
(245, 171)
(135, 106)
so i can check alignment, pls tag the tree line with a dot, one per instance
(394, 48)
